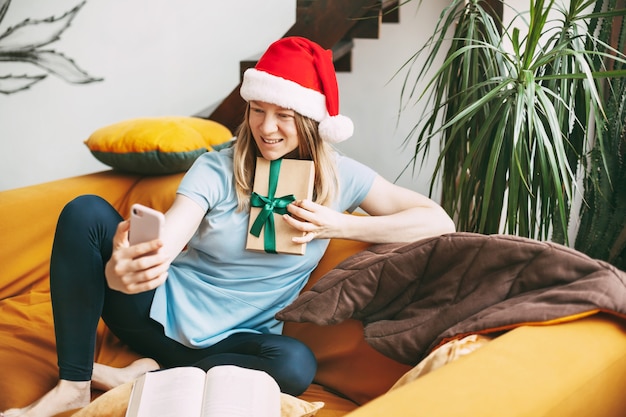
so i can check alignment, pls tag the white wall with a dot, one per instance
(159, 57)
(370, 94)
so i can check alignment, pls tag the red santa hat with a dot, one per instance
(298, 74)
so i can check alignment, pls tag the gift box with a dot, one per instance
(277, 184)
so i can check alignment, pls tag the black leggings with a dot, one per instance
(80, 296)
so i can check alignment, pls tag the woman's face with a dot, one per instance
(273, 129)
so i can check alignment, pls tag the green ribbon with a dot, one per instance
(269, 205)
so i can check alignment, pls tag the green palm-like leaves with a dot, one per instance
(25, 41)
(513, 113)
(602, 231)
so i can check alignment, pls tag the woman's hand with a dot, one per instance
(137, 268)
(314, 220)
(395, 214)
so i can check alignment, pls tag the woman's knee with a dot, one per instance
(84, 206)
(298, 366)
(86, 223)
(290, 362)
(88, 215)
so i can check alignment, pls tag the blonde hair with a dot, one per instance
(310, 147)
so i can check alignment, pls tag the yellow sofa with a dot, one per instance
(570, 369)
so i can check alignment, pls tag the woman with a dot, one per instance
(214, 303)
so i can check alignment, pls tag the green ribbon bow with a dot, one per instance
(269, 205)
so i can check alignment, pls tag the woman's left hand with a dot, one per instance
(395, 214)
(314, 220)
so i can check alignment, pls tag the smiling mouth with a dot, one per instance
(271, 141)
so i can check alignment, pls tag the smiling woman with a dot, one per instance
(23, 43)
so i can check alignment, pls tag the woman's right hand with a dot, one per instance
(137, 268)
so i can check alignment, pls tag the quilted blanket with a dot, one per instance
(413, 297)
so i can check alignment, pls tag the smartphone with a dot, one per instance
(145, 224)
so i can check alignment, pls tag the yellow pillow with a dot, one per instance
(156, 145)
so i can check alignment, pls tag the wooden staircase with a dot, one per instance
(331, 23)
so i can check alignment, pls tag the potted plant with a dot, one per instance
(512, 111)
(602, 230)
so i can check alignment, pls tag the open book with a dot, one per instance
(223, 391)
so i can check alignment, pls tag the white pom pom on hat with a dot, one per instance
(335, 129)
(298, 74)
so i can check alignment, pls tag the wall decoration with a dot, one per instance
(25, 43)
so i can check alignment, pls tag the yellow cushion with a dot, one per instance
(156, 145)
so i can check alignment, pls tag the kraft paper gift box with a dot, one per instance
(277, 184)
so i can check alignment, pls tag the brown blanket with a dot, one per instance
(412, 297)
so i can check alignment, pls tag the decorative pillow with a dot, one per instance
(156, 145)
(443, 355)
(291, 406)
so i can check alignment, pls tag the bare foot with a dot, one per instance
(107, 377)
(67, 395)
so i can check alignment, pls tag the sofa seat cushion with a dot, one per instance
(28, 349)
(334, 405)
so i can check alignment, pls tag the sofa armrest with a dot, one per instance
(566, 370)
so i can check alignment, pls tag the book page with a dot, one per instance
(171, 392)
(231, 391)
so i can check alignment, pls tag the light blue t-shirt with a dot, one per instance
(216, 287)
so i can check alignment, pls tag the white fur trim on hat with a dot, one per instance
(262, 86)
